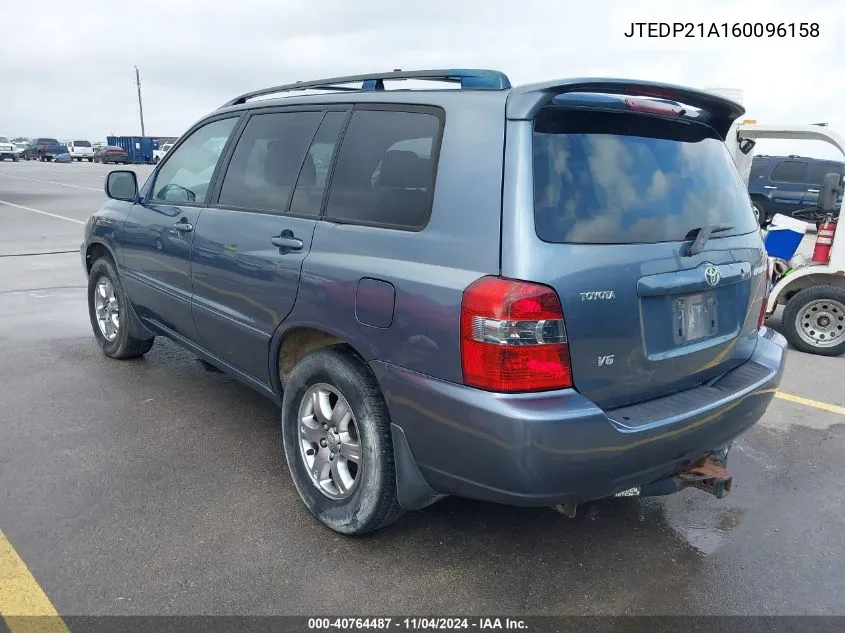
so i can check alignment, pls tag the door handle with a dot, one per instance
(183, 226)
(812, 190)
(769, 187)
(287, 241)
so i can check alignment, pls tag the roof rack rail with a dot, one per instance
(469, 79)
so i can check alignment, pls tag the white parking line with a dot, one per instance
(52, 215)
(52, 182)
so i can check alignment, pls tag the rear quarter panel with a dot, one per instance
(429, 269)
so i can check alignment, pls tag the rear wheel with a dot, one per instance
(108, 310)
(814, 320)
(90, 160)
(336, 432)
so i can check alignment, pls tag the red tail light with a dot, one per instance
(513, 337)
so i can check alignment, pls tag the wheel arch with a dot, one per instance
(292, 341)
(803, 278)
(96, 250)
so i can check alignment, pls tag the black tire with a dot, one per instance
(372, 503)
(90, 160)
(124, 346)
(760, 212)
(800, 302)
(14, 159)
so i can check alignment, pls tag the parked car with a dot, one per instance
(538, 295)
(159, 153)
(785, 184)
(20, 149)
(44, 149)
(80, 150)
(63, 158)
(111, 154)
(8, 149)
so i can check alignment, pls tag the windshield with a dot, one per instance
(3, 139)
(614, 178)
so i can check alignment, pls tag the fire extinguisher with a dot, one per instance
(824, 240)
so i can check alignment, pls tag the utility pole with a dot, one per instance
(140, 105)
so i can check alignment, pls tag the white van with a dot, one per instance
(80, 149)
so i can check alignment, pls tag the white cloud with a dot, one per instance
(69, 70)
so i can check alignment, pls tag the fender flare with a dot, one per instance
(825, 274)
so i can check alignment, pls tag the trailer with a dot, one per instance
(141, 149)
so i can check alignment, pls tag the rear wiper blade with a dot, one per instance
(703, 234)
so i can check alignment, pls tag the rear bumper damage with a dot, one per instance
(552, 448)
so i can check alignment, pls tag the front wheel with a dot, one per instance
(108, 309)
(759, 213)
(814, 320)
(337, 440)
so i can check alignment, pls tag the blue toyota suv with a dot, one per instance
(537, 295)
(786, 184)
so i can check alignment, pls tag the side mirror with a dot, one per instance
(122, 185)
(746, 145)
(830, 191)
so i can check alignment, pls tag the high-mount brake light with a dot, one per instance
(513, 337)
(653, 107)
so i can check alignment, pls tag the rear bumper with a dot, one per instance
(558, 447)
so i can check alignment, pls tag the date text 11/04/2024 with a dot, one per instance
(723, 30)
(416, 623)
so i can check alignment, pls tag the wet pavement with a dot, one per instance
(158, 487)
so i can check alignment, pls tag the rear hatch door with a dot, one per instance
(620, 197)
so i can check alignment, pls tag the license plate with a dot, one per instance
(695, 317)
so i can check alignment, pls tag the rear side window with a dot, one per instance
(267, 160)
(615, 178)
(308, 195)
(790, 171)
(385, 169)
(758, 166)
(819, 170)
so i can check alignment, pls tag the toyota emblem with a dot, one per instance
(712, 275)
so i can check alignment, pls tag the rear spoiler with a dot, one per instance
(718, 112)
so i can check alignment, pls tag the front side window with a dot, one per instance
(267, 160)
(791, 171)
(186, 175)
(385, 169)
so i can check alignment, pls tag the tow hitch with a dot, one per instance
(709, 475)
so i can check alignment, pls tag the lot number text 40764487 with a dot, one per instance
(416, 624)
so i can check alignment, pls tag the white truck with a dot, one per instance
(159, 153)
(812, 291)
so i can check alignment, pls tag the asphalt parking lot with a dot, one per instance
(158, 487)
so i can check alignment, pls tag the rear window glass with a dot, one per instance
(615, 178)
(82, 144)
